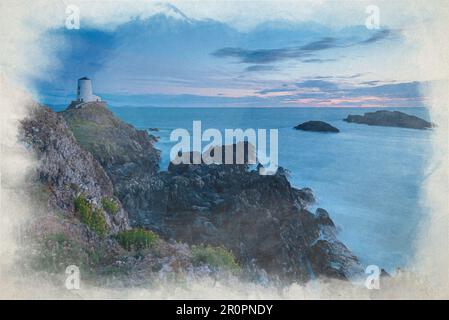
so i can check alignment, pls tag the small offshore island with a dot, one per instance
(387, 118)
(317, 126)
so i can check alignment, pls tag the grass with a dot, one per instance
(218, 258)
(56, 252)
(137, 239)
(110, 205)
(93, 218)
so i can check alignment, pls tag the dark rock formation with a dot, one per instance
(390, 119)
(316, 126)
(263, 220)
(243, 153)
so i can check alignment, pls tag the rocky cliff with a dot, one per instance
(126, 154)
(263, 220)
(80, 221)
(68, 171)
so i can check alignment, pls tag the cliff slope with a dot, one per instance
(68, 171)
(126, 154)
(78, 220)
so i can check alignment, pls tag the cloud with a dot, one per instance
(380, 35)
(370, 83)
(275, 90)
(317, 60)
(396, 90)
(321, 84)
(317, 92)
(305, 93)
(257, 68)
(325, 43)
(260, 56)
(304, 52)
(353, 76)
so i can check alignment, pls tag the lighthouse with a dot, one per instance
(84, 91)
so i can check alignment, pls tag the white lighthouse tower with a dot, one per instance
(84, 92)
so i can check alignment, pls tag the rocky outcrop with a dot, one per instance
(122, 150)
(317, 126)
(126, 154)
(387, 118)
(58, 236)
(66, 170)
(263, 220)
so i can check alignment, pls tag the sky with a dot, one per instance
(236, 54)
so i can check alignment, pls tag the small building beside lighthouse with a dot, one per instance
(85, 92)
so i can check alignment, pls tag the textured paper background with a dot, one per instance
(25, 53)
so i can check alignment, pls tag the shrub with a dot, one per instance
(93, 218)
(215, 257)
(110, 205)
(99, 224)
(54, 252)
(137, 239)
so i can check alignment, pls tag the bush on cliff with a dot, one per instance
(54, 252)
(137, 239)
(218, 258)
(109, 205)
(93, 218)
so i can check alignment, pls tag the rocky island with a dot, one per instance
(112, 209)
(317, 126)
(388, 118)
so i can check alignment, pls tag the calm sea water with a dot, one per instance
(368, 178)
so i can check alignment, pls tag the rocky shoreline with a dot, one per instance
(261, 223)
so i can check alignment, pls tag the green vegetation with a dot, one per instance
(93, 218)
(109, 205)
(56, 251)
(218, 258)
(99, 132)
(137, 239)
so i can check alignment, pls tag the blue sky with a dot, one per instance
(169, 58)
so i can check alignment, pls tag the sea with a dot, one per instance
(369, 178)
